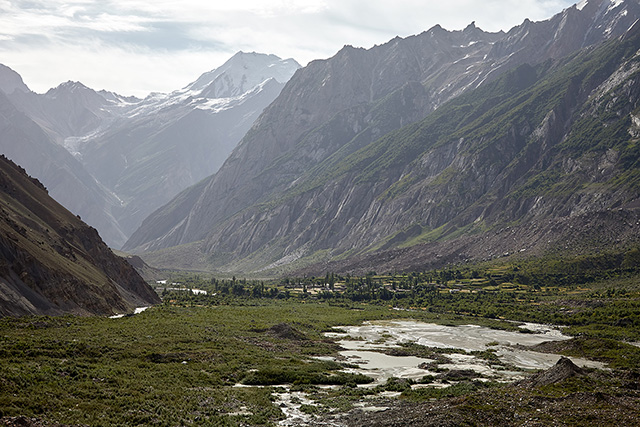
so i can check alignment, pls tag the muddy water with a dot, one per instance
(291, 403)
(363, 344)
(381, 366)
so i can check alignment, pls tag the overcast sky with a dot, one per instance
(134, 47)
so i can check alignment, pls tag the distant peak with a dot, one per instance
(74, 89)
(10, 81)
(526, 23)
(71, 86)
(72, 83)
(254, 53)
(472, 30)
(244, 56)
(241, 73)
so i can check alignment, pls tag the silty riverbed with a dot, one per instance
(365, 347)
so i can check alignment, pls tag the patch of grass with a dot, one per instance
(460, 389)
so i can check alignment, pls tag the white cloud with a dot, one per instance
(137, 46)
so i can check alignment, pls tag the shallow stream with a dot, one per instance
(138, 310)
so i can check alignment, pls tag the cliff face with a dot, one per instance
(52, 263)
(554, 168)
(418, 140)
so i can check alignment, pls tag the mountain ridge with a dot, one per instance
(28, 144)
(10, 81)
(179, 138)
(260, 231)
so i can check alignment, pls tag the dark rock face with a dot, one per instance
(52, 263)
(449, 131)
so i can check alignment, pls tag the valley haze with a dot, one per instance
(120, 158)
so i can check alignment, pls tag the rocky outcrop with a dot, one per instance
(53, 263)
(561, 371)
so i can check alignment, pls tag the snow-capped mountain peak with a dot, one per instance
(223, 87)
(241, 73)
(68, 86)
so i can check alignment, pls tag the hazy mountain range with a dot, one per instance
(424, 141)
(125, 156)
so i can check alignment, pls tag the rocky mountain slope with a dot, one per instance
(53, 263)
(140, 153)
(417, 140)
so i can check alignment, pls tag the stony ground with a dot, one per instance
(517, 405)
(564, 395)
(513, 409)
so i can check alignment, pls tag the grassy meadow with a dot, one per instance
(217, 359)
